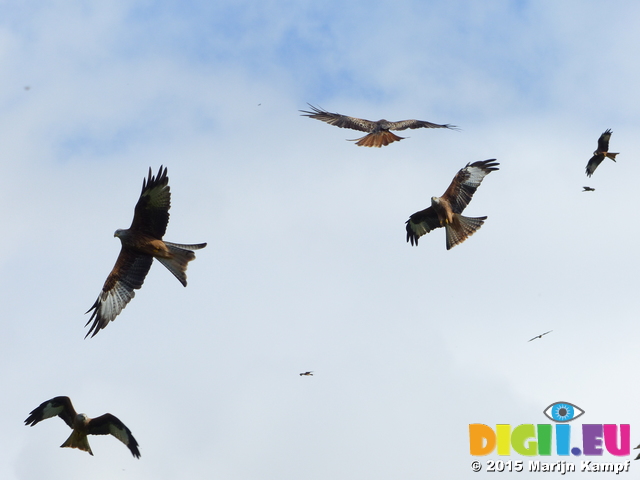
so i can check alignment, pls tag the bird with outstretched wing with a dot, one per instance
(445, 211)
(82, 425)
(601, 152)
(141, 243)
(378, 134)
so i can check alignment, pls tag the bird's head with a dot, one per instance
(435, 200)
(81, 419)
(118, 233)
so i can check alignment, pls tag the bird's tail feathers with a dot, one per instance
(181, 255)
(78, 440)
(195, 246)
(462, 228)
(612, 156)
(378, 139)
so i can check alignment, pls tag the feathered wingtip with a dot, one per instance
(378, 139)
(160, 179)
(462, 228)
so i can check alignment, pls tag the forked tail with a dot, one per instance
(378, 139)
(462, 228)
(78, 440)
(181, 255)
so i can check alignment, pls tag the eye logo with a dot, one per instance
(563, 412)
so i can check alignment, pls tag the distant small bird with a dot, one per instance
(445, 211)
(27, 88)
(588, 189)
(540, 336)
(378, 132)
(601, 152)
(82, 425)
(308, 374)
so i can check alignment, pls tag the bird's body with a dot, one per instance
(378, 133)
(601, 152)
(141, 243)
(82, 425)
(446, 211)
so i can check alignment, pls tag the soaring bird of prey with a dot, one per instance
(588, 189)
(141, 243)
(540, 336)
(308, 374)
(445, 211)
(82, 425)
(601, 152)
(378, 132)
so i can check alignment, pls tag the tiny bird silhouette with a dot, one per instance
(541, 335)
(308, 374)
(588, 189)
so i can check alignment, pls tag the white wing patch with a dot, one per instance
(113, 301)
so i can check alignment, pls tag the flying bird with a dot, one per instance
(82, 425)
(141, 243)
(588, 189)
(445, 211)
(540, 336)
(601, 152)
(308, 374)
(378, 132)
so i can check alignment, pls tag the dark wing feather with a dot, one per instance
(151, 214)
(593, 163)
(127, 275)
(338, 120)
(108, 424)
(58, 406)
(404, 124)
(466, 182)
(603, 141)
(421, 223)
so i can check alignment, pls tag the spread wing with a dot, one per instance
(421, 223)
(151, 214)
(127, 275)
(58, 406)
(108, 424)
(593, 163)
(603, 141)
(404, 124)
(338, 120)
(466, 182)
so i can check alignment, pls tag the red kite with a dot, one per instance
(141, 243)
(445, 211)
(82, 425)
(308, 374)
(378, 132)
(540, 336)
(601, 152)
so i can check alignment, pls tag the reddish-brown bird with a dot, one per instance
(601, 152)
(445, 211)
(378, 132)
(82, 425)
(141, 243)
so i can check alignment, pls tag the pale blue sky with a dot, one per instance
(307, 267)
